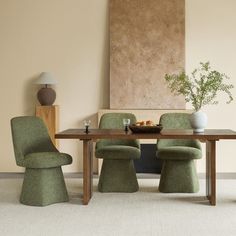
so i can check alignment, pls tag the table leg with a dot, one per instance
(87, 171)
(211, 171)
(207, 171)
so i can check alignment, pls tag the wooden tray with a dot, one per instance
(145, 129)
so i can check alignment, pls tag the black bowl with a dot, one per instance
(146, 129)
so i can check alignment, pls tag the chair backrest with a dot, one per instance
(29, 135)
(176, 121)
(115, 121)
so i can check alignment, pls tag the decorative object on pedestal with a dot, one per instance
(46, 95)
(200, 88)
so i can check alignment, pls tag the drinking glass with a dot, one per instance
(86, 125)
(126, 123)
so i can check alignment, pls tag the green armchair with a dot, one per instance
(43, 179)
(117, 173)
(178, 171)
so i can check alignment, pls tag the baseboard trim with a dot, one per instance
(12, 175)
(221, 175)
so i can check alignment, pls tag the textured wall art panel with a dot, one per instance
(147, 40)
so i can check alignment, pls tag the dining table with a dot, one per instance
(209, 137)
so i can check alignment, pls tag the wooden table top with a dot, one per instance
(208, 134)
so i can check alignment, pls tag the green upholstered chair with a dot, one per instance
(117, 173)
(43, 180)
(178, 171)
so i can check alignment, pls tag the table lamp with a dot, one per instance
(46, 95)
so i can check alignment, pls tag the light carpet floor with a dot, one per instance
(146, 212)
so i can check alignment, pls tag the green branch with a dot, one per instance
(202, 87)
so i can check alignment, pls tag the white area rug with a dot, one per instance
(146, 212)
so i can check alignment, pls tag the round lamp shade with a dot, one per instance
(46, 96)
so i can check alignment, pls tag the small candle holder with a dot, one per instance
(86, 125)
(126, 123)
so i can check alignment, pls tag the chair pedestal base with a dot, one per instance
(43, 187)
(118, 176)
(179, 177)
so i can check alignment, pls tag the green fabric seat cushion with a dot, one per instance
(118, 152)
(46, 159)
(179, 153)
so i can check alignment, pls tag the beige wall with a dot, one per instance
(211, 35)
(66, 37)
(70, 39)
